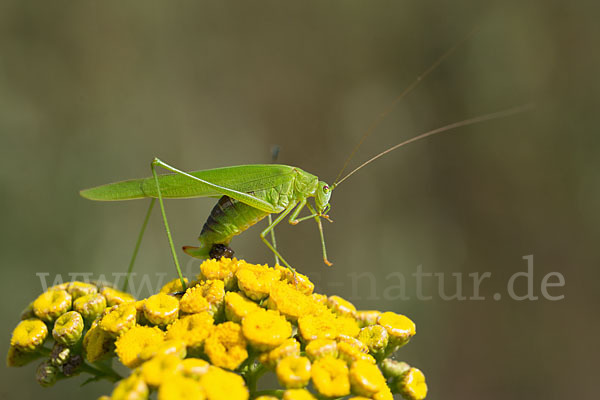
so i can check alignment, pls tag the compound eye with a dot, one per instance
(325, 189)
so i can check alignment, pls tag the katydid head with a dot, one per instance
(322, 197)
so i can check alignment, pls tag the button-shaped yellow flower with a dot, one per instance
(29, 335)
(321, 326)
(115, 297)
(193, 301)
(354, 342)
(375, 337)
(330, 377)
(193, 329)
(132, 388)
(161, 309)
(97, 343)
(394, 369)
(399, 327)
(77, 289)
(298, 394)
(68, 328)
(226, 346)
(179, 387)
(223, 269)
(194, 367)
(237, 306)
(351, 353)
(299, 281)
(130, 344)
(219, 384)
(173, 286)
(90, 306)
(256, 280)
(160, 369)
(293, 372)
(290, 347)
(366, 379)
(290, 302)
(367, 317)
(412, 385)
(52, 304)
(174, 347)
(320, 348)
(119, 319)
(266, 329)
(341, 306)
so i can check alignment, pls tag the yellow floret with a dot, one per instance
(193, 329)
(223, 269)
(298, 394)
(399, 327)
(320, 348)
(367, 317)
(266, 329)
(130, 344)
(321, 326)
(194, 367)
(119, 319)
(226, 346)
(160, 369)
(78, 289)
(132, 388)
(193, 301)
(161, 309)
(97, 343)
(330, 377)
(293, 372)
(29, 335)
(366, 379)
(299, 281)
(237, 306)
(350, 353)
(173, 286)
(68, 328)
(181, 388)
(290, 347)
(90, 306)
(115, 297)
(412, 385)
(341, 306)
(52, 304)
(291, 302)
(256, 280)
(175, 347)
(219, 385)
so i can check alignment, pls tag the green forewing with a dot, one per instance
(243, 178)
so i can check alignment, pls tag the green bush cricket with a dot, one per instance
(249, 193)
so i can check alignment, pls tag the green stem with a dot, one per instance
(111, 375)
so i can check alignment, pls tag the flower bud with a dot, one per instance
(400, 328)
(68, 328)
(71, 367)
(52, 304)
(412, 385)
(46, 374)
(293, 372)
(375, 337)
(161, 309)
(78, 289)
(60, 354)
(394, 369)
(29, 335)
(90, 306)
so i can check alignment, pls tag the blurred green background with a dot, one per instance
(90, 92)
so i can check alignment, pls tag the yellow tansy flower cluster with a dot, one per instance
(213, 341)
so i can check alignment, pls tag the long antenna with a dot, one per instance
(466, 122)
(405, 92)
